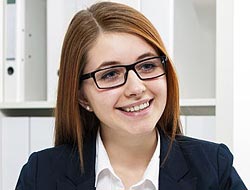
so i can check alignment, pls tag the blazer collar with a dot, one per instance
(174, 172)
(74, 178)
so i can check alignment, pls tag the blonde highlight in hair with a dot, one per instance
(73, 123)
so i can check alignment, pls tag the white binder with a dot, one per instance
(35, 51)
(13, 69)
(25, 56)
(15, 149)
(1, 49)
(58, 20)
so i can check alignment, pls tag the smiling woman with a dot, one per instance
(129, 89)
(117, 115)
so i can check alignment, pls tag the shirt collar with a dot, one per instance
(102, 159)
(152, 171)
(102, 162)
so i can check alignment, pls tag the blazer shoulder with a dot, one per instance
(214, 159)
(51, 161)
(197, 149)
(189, 144)
(55, 152)
(186, 140)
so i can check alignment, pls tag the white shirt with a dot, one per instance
(106, 179)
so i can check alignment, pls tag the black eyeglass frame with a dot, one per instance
(128, 68)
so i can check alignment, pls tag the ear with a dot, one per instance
(83, 101)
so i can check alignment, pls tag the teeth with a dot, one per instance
(137, 108)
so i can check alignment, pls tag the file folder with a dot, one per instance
(25, 57)
(58, 20)
(13, 64)
(35, 51)
(1, 48)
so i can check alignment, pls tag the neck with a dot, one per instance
(129, 149)
(129, 154)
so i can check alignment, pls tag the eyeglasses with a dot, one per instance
(115, 76)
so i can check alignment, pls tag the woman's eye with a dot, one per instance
(110, 75)
(147, 66)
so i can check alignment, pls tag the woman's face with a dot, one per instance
(115, 108)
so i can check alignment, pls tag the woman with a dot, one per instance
(117, 115)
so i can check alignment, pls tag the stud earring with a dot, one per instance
(88, 108)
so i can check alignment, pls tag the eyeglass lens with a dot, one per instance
(116, 76)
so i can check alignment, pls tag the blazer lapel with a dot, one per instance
(74, 178)
(174, 172)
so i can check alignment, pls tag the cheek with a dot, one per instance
(160, 91)
(103, 99)
(160, 88)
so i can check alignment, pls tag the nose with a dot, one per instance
(134, 85)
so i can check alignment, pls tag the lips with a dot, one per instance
(136, 108)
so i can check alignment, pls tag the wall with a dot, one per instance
(241, 94)
(232, 73)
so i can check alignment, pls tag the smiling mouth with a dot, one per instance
(136, 108)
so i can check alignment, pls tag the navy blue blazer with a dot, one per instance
(191, 165)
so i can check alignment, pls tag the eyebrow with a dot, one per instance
(112, 63)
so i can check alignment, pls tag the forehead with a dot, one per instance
(119, 47)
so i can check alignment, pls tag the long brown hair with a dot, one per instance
(73, 123)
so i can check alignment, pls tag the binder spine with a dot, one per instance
(54, 41)
(57, 23)
(20, 53)
(13, 68)
(1, 48)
